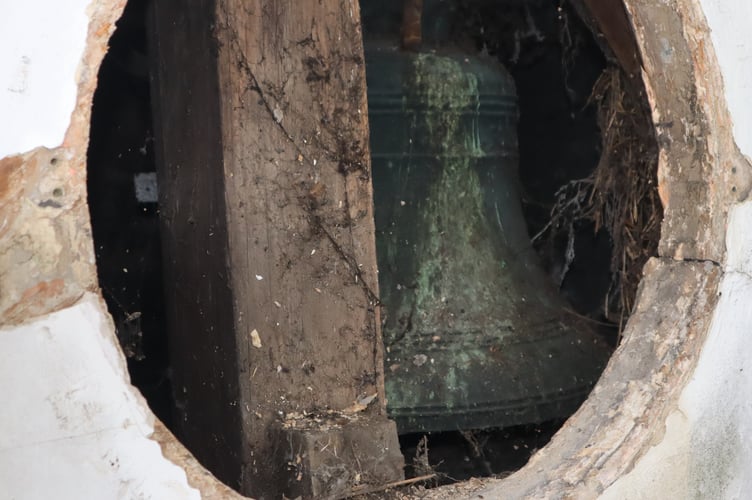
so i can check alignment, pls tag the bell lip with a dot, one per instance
(522, 412)
(579, 352)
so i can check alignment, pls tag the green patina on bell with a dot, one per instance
(475, 334)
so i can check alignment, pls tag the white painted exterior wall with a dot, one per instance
(42, 45)
(732, 38)
(73, 427)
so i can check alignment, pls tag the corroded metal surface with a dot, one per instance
(475, 335)
(614, 426)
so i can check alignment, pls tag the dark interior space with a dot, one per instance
(556, 64)
(123, 208)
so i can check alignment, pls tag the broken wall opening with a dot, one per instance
(560, 142)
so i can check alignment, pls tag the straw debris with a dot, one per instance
(621, 193)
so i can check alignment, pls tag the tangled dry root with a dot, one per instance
(625, 186)
(621, 194)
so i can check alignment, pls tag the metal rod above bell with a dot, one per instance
(475, 335)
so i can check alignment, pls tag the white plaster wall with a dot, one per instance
(73, 428)
(729, 22)
(42, 45)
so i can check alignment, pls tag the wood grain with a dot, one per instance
(268, 219)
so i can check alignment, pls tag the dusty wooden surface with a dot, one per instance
(198, 292)
(266, 200)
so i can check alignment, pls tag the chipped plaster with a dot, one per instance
(706, 451)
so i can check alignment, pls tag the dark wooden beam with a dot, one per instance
(266, 201)
(198, 286)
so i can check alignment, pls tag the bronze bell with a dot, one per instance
(474, 333)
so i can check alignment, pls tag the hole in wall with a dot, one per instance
(123, 207)
(586, 153)
(567, 90)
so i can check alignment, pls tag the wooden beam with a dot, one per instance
(198, 288)
(266, 201)
(612, 20)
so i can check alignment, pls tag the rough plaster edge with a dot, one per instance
(103, 15)
(28, 291)
(74, 418)
(173, 450)
(724, 174)
(691, 459)
(198, 477)
(733, 172)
